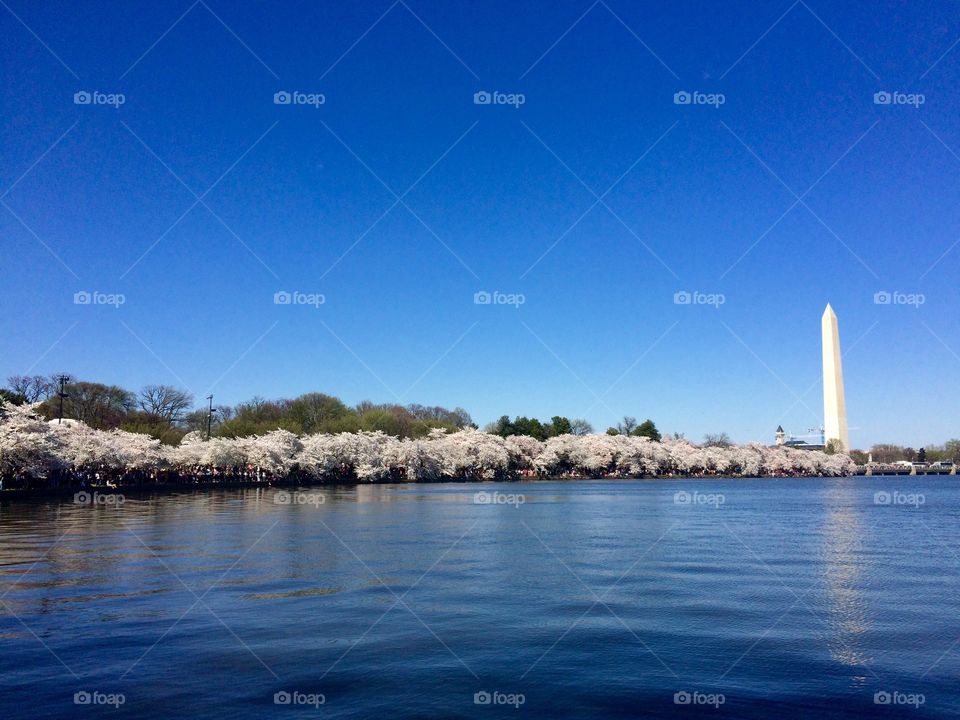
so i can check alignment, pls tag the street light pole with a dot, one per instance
(63, 381)
(209, 415)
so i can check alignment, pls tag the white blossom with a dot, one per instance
(31, 447)
(28, 446)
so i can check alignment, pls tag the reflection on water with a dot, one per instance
(593, 599)
(293, 594)
(843, 567)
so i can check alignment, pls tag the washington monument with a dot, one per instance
(834, 405)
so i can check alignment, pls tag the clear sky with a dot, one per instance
(597, 199)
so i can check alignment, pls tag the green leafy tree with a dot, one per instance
(383, 420)
(529, 426)
(11, 397)
(560, 426)
(348, 423)
(503, 427)
(647, 429)
(310, 411)
(523, 425)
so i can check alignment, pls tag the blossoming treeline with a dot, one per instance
(34, 449)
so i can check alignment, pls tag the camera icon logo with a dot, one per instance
(282, 297)
(482, 298)
(881, 498)
(682, 297)
(882, 98)
(481, 498)
(282, 98)
(82, 498)
(282, 698)
(682, 698)
(82, 698)
(681, 498)
(682, 98)
(482, 698)
(881, 697)
(482, 97)
(882, 298)
(82, 298)
(82, 97)
(281, 498)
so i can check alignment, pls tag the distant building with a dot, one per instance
(784, 440)
(802, 444)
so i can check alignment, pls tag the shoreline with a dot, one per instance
(174, 488)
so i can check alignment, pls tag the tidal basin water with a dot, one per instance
(827, 598)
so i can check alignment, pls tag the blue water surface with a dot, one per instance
(827, 598)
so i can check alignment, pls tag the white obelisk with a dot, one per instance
(834, 405)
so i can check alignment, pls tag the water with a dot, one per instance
(599, 599)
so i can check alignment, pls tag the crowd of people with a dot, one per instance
(89, 477)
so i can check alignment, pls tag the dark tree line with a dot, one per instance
(559, 425)
(320, 413)
(532, 427)
(630, 426)
(168, 413)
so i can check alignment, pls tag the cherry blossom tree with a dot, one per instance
(28, 446)
(33, 448)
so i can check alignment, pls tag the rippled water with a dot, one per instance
(590, 599)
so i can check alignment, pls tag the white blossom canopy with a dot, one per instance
(31, 447)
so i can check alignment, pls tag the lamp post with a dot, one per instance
(62, 379)
(209, 415)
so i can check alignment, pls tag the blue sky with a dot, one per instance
(598, 200)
